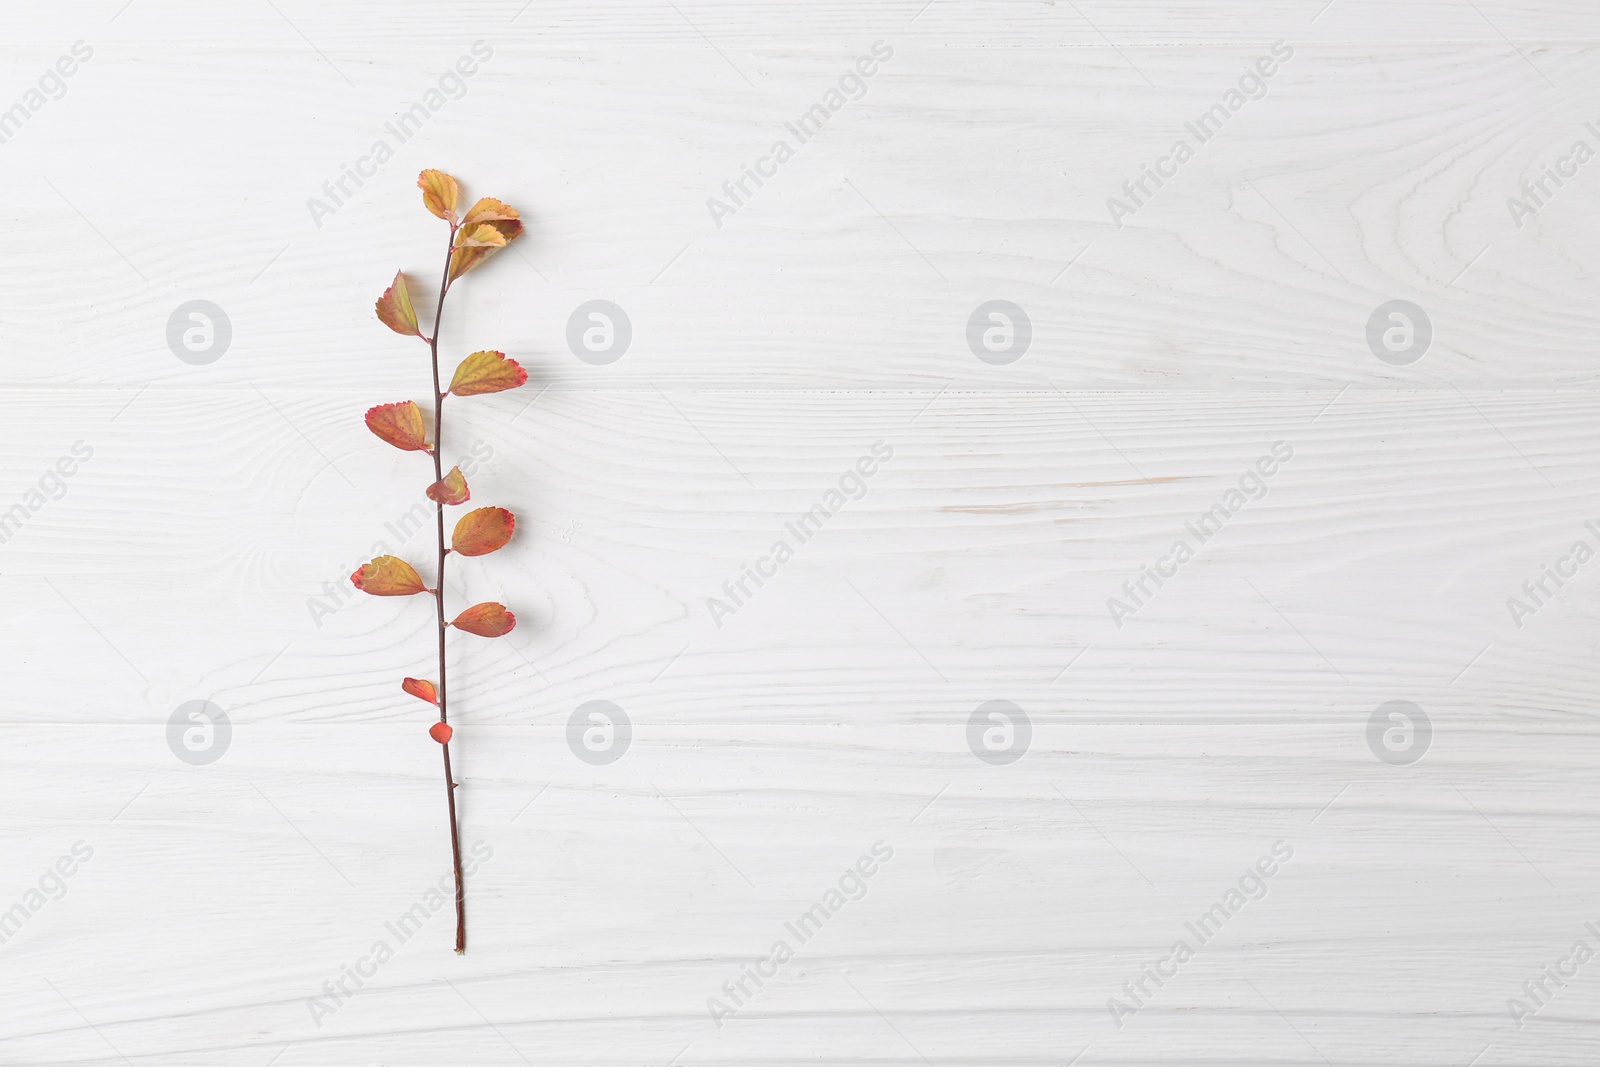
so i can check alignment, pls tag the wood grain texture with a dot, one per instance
(192, 554)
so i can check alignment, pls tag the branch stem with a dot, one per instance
(438, 595)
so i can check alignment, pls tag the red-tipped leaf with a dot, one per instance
(399, 424)
(487, 372)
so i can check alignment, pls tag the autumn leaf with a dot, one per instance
(400, 425)
(488, 209)
(486, 620)
(439, 194)
(482, 531)
(422, 689)
(487, 228)
(451, 489)
(395, 310)
(441, 732)
(388, 576)
(487, 372)
(484, 235)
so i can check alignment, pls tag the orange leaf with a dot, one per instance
(482, 531)
(452, 489)
(388, 576)
(422, 689)
(395, 310)
(441, 732)
(439, 194)
(487, 372)
(486, 620)
(400, 425)
(489, 225)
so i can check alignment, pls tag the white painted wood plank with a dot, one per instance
(782, 733)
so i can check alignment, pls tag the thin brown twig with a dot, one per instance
(438, 596)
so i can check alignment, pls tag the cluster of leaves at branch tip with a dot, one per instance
(485, 228)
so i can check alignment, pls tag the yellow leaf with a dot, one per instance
(483, 235)
(439, 194)
(388, 576)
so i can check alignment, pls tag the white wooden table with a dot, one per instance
(1034, 873)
